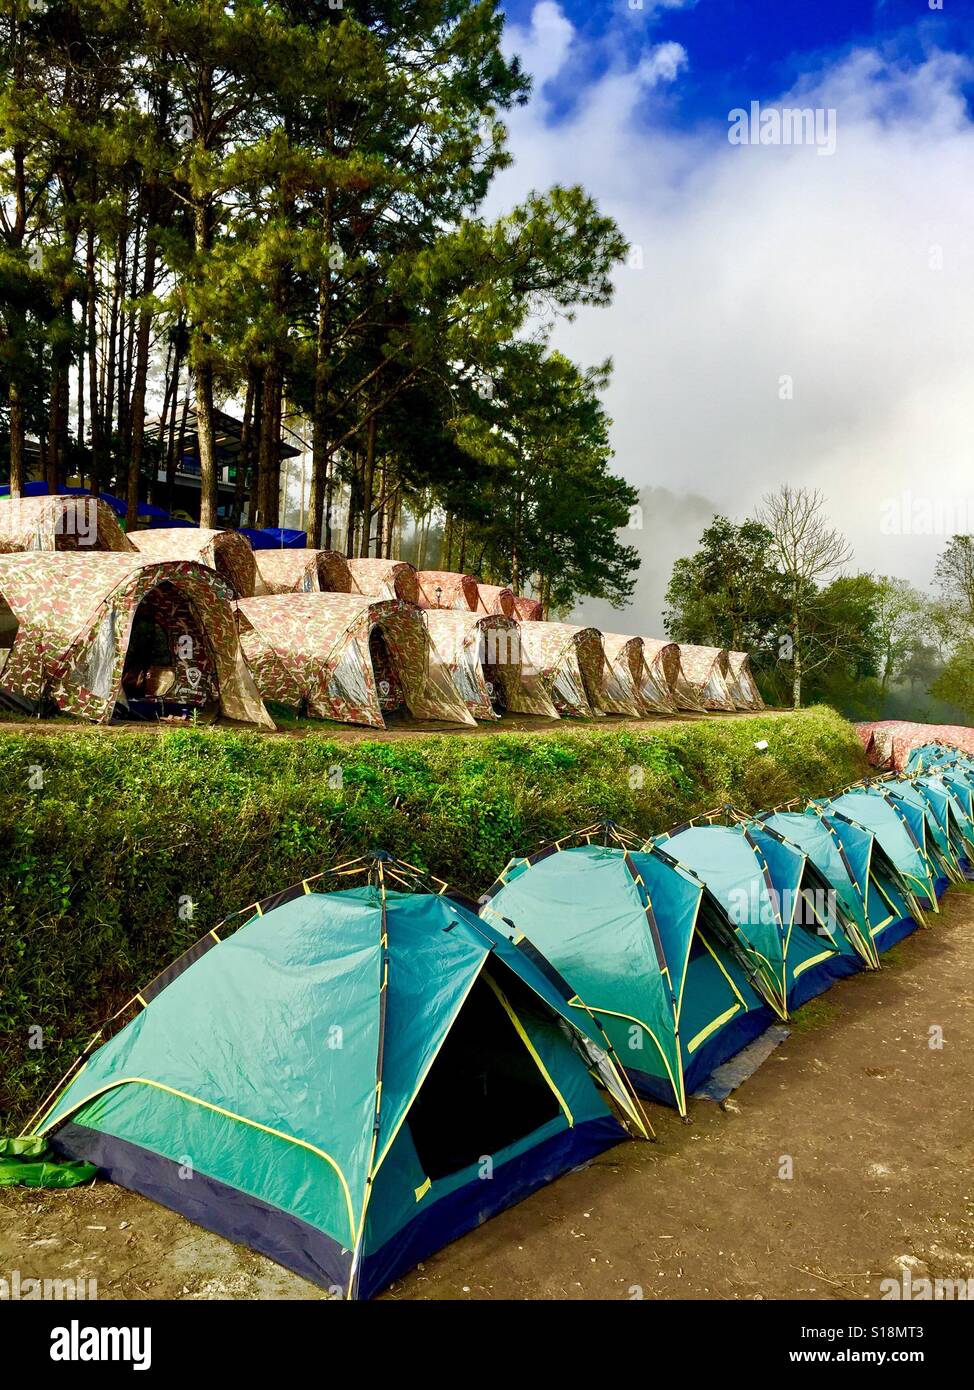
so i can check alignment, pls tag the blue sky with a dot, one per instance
(743, 50)
(785, 316)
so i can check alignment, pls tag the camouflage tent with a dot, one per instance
(302, 572)
(346, 657)
(622, 675)
(444, 589)
(226, 552)
(663, 682)
(89, 632)
(384, 579)
(482, 653)
(741, 683)
(495, 598)
(59, 523)
(528, 610)
(567, 663)
(706, 670)
(889, 742)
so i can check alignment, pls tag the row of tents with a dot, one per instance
(357, 1077)
(176, 621)
(890, 743)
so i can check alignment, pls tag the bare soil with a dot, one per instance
(878, 1125)
(397, 727)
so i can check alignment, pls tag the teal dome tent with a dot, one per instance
(346, 1082)
(774, 900)
(644, 944)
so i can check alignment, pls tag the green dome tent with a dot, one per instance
(949, 825)
(899, 827)
(875, 903)
(647, 948)
(958, 781)
(773, 897)
(346, 1083)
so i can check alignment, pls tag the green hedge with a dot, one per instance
(124, 830)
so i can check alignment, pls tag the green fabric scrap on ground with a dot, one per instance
(30, 1162)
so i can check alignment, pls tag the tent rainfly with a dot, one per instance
(59, 523)
(661, 677)
(565, 663)
(528, 610)
(482, 654)
(622, 675)
(226, 552)
(951, 802)
(775, 902)
(302, 572)
(942, 832)
(345, 657)
(495, 598)
(741, 683)
(877, 903)
(94, 632)
(646, 946)
(444, 589)
(899, 828)
(940, 755)
(384, 579)
(706, 670)
(341, 1067)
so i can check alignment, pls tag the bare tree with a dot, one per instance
(808, 551)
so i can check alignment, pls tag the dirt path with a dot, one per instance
(397, 728)
(879, 1127)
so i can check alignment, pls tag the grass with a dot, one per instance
(121, 852)
(817, 1013)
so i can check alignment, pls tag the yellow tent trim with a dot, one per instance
(812, 960)
(716, 959)
(230, 1115)
(678, 1091)
(712, 1027)
(519, 1029)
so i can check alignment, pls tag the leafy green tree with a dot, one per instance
(901, 623)
(728, 593)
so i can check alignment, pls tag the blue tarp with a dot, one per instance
(275, 538)
(120, 508)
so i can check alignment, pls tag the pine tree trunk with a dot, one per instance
(137, 414)
(320, 421)
(93, 401)
(17, 440)
(203, 376)
(204, 438)
(368, 485)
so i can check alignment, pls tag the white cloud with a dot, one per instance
(544, 45)
(760, 262)
(662, 63)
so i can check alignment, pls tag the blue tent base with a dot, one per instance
(820, 978)
(895, 932)
(726, 1043)
(734, 1073)
(470, 1206)
(227, 1211)
(309, 1252)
